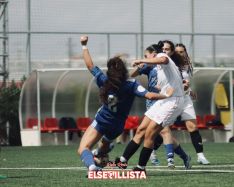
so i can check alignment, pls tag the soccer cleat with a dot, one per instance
(154, 159)
(95, 152)
(155, 162)
(119, 164)
(138, 169)
(187, 162)
(170, 163)
(203, 161)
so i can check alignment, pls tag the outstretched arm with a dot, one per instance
(156, 60)
(86, 55)
(135, 71)
(153, 96)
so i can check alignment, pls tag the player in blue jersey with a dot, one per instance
(171, 144)
(117, 93)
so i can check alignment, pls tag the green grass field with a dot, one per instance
(60, 166)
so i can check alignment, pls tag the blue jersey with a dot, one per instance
(120, 103)
(151, 72)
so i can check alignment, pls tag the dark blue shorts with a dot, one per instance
(109, 131)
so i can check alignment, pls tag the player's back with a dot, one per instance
(120, 102)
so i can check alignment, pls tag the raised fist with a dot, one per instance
(83, 40)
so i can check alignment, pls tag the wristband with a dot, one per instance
(166, 95)
(84, 47)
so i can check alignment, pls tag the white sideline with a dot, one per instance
(202, 168)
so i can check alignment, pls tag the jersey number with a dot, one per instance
(112, 103)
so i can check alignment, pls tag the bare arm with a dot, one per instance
(156, 60)
(86, 55)
(154, 96)
(135, 71)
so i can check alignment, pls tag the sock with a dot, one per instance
(179, 151)
(169, 150)
(130, 150)
(200, 155)
(144, 156)
(87, 158)
(158, 142)
(197, 141)
(100, 153)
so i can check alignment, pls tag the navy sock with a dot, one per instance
(130, 149)
(197, 141)
(87, 158)
(144, 156)
(179, 151)
(169, 150)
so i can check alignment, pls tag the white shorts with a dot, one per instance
(188, 109)
(165, 111)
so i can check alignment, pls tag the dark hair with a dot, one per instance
(172, 46)
(178, 60)
(186, 58)
(116, 73)
(155, 47)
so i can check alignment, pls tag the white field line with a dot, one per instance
(197, 166)
(203, 168)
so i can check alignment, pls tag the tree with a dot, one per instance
(9, 102)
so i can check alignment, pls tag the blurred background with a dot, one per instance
(45, 33)
(39, 44)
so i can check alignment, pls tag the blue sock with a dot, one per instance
(179, 151)
(87, 158)
(169, 150)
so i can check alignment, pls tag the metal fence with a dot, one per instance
(45, 33)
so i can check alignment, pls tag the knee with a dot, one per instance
(139, 135)
(140, 132)
(191, 125)
(165, 133)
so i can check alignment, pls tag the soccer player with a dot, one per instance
(189, 115)
(162, 113)
(117, 93)
(168, 140)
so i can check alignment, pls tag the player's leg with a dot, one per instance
(157, 143)
(104, 147)
(90, 138)
(163, 113)
(182, 154)
(169, 147)
(152, 130)
(196, 140)
(134, 144)
(189, 116)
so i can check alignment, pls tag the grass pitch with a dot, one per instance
(60, 166)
